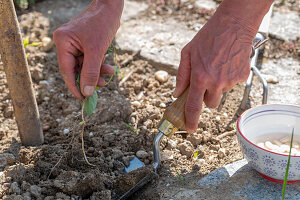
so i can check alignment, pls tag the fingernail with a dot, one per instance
(88, 90)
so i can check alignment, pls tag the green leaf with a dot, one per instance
(287, 167)
(110, 49)
(91, 103)
(26, 42)
(82, 123)
(35, 44)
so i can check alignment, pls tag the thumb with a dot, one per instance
(90, 72)
(184, 73)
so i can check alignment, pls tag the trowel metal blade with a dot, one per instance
(134, 164)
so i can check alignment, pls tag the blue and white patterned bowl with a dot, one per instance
(269, 119)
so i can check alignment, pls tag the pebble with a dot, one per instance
(136, 103)
(162, 105)
(142, 154)
(14, 188)
(46, 127)
(186, 148)
(218, 118)
(66, 131)
(35, 191)
(161, 76)
(91, 134)
(58, 120)
(222, 152)
(47, 44)
(117, 153)
(201, 161)
(195, 139)
(271, 79)
(7, 159)
(206, 110)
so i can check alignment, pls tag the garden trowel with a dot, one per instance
(173, 119)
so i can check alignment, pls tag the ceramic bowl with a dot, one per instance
(265, 120)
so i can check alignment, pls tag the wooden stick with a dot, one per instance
(18, 76)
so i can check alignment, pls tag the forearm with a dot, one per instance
(249, 12)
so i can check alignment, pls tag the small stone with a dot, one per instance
(206, 110)
(215, 147)
(46, 127)
(26, 196)
(91, 134)
(58, 120)
(161, 76)
(132, 120)
(117, 153)
(222, 152)
(7, 159)
(35, 191)
(46, 98)
(201, 161)
(172, 144)
(14, 188)
(136, 103)
(271, 79)
(218, 118)
(166, 155)
(162, 105)
(165, 195)
(47, 44)
(142, 154)
(186, 148)
(37, 74)
(66, 131)
(8, 111)
(195, 139)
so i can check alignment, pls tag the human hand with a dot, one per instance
(82, 43)
(215, 60)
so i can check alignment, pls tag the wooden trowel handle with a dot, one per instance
(175, 112)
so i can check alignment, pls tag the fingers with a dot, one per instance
(184, 73)
(107, 69)
(67, 63)
(212, 98)
(193, 106)
(90, 72)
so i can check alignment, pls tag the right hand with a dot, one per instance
(84, 41)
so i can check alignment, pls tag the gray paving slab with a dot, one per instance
(159, 41)
(287, 90)
(238, 181)
(285, 26)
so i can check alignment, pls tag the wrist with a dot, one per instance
(249, 13)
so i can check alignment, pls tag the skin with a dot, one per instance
(214, 61)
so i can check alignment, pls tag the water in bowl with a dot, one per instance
(279, 143)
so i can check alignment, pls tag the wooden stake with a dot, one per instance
(18, 76)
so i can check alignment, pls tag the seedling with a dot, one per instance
(131, 128)
(89, 104)
(287, 167)
(26, 44)
(179, 177)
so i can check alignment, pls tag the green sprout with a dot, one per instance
(130, 127)
(179, 177)
(287, 167)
